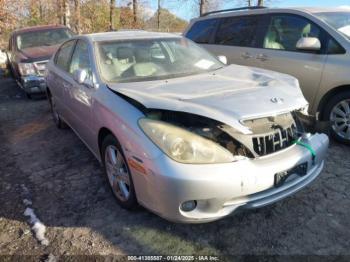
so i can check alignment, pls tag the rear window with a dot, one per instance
(238, 31)
(202, 31)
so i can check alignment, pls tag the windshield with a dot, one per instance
(340, 21)
(152, 59)
(43, 38)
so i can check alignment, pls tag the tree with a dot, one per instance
(77, 16)
(66, 13)
(260, 3)
(168, 22)
(203, 6)
(135, 8)
(158, 15)
(111, 15)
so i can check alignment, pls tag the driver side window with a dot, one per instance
(285, 31)
(81, 59)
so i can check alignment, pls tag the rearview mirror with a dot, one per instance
(309, 44)
(80, 76)
(222, 59)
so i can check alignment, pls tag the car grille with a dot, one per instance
(268, 144)
(40, 67)
(272, 134)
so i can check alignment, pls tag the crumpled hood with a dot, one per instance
(228, 95)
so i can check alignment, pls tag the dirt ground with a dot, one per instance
(71, 197)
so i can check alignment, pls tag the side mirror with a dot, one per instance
(309, 44)
(222, 59)
(80, 76)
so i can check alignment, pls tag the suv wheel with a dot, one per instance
(118, 174)
(337, 111)
(55, 115)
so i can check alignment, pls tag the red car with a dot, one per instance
(28, 52)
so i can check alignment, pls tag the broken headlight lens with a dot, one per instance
(182, 145)
(26, 69)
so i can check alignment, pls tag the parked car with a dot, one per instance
(179, 132)
(311, 44)
(29, 50)
(3, 58)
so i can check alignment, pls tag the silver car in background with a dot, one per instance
(178, 131)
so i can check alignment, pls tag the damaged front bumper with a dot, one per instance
(220, 189)
(33, 84)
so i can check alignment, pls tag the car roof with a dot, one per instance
(311, 10)
(128, 35)
(38, 28)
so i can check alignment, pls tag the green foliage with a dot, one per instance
(95, 16)
(168, 22)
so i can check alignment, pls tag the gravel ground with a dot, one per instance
(71, 197)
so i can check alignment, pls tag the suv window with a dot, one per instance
(285, 31)
(63, 55)
(333, 48)
(202, 31)
(80, 58)
(238, 31)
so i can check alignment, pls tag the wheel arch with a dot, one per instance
(102, 134)
(328, 96)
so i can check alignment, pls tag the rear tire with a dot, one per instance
(337, 111)
(118, 173)
(59, 123)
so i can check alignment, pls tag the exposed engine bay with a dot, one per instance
(269, 134)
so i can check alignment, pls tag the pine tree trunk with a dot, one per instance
(59, 12)
(260, 2)
(66, 17)
(77, 16)
(134, 7)
(201, 7)
(111, 15)
(158, 16)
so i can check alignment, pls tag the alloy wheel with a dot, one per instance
(117, 172)
(340, 119)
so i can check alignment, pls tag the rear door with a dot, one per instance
(60, 80)
(279, 52)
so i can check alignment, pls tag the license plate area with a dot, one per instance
(281, 177)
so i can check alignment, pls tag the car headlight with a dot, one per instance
(182, 145)
(26, 69)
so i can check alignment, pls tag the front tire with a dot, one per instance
(337, 111)
(118, 173)
(59, 123)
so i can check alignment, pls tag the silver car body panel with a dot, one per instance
(164, 184)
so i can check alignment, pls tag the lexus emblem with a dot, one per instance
(277, 100)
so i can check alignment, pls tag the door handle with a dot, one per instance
(246, 55)
(262, 57)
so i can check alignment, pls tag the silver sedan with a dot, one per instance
(177, 130)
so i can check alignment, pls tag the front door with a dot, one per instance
(279, 52)
(80, 94)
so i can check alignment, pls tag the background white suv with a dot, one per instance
(311, 44)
